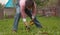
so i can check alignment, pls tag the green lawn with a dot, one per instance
(51, 25)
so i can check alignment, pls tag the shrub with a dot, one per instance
(1, 6)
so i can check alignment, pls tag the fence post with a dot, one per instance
(1, 13)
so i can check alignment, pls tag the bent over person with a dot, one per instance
(24, 7)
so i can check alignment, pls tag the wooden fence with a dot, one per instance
(1, 13)
(51, 11)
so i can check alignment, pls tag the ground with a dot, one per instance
(51, 26)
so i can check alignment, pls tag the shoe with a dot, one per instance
(14, 31)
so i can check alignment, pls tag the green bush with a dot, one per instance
(1, 6)
(41, 2)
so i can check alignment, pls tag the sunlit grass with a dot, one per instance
(51, 25)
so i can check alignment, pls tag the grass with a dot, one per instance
(51, 26)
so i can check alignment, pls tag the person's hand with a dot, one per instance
(33, 17)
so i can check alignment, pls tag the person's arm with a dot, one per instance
(34, 11)
(22, 10)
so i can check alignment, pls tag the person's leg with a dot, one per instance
(36, 22)
(16, 18)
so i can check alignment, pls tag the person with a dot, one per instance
(19, 13)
